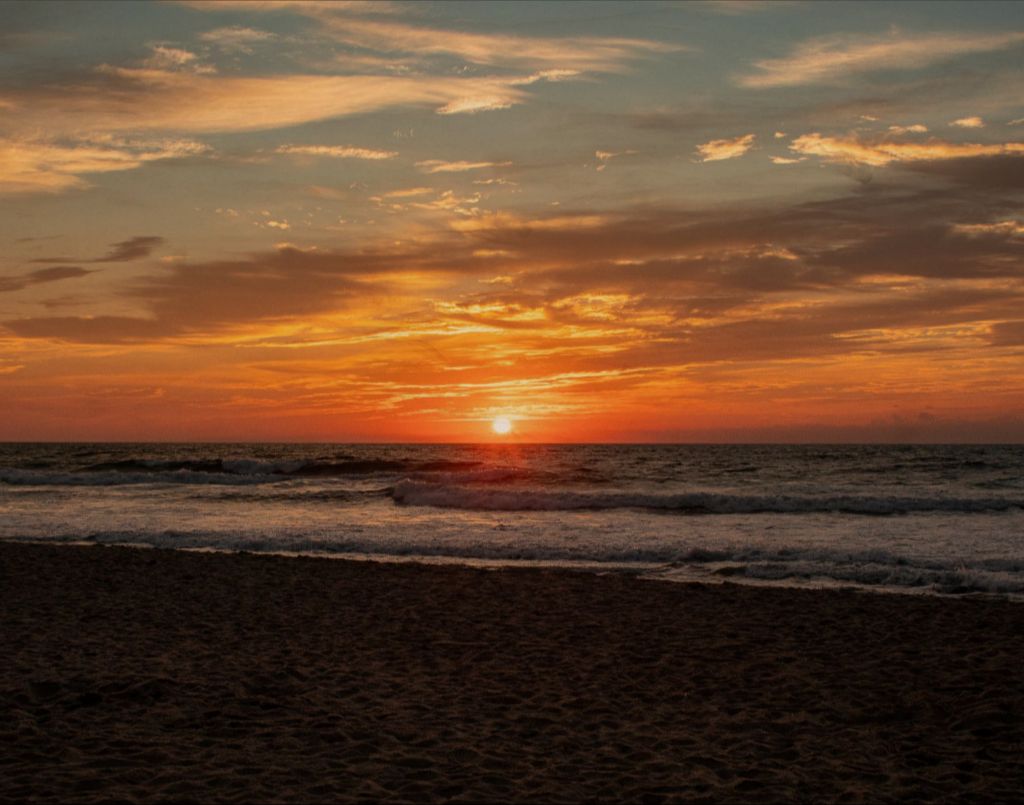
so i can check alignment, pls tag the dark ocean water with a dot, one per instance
(943, 519)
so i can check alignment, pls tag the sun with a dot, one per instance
(501, 425)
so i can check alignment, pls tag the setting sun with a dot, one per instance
(501, 425)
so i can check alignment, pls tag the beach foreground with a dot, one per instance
(149, 675)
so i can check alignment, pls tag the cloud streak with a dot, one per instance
(832, 59)
(576, 54)
(441, 166)
(47, 166)
(853, 149)
(336, 152)
(41, 276)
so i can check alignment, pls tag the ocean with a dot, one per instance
(939, 519)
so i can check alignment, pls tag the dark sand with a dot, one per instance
(153, 675)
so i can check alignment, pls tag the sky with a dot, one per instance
(396, 221)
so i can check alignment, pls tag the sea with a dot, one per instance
(928, 519)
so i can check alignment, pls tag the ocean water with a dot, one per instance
(910, 518)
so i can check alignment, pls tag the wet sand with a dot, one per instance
(145, 675)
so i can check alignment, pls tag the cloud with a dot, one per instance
(137, 99)
(1012, 228)
(651, 303)
(408, 192)
(987, 173)
(725, 149)
(236, 38)
(576, 54)
(879, 152)
(208, 297)
(916, 128)
(171, 58)
(47, 166)
(122, 252)
(88, 329)
(131, 249)
(833, 59)
(546, 75)
(336, 151)
(1008, 333)
(604, 157)
(787, 160)
(554, 57)
(441, 166)
(40, 276)
(968, 123)
(483, 103)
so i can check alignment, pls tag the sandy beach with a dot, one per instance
(147, 675)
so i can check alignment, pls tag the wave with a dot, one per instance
(786, 566)
(233, 471)
(299, 467)
(420, 493)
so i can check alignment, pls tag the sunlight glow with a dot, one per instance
(501, 425)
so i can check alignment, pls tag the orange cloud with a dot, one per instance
(725, 149)
(144, 99)
(916, 128)
(880, 152)
(41, 166)
(441, 166)
(336, 151)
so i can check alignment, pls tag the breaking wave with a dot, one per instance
(421, 493)
(872, 569)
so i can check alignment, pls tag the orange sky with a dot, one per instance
(394, 222)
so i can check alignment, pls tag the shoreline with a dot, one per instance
(162, 674)
(670, 573)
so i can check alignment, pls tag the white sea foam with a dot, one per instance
(950, 519)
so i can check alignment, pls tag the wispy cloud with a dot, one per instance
(123, 251)
(880, 152)
(164, 57)
(480, 103)
(131, 249)
(440, 166)
(973, 122)
(1011, 228)
(123, 99)
(236, 38)
(834, 58)
(336, 151)
(373, 26)
(725, 149)
(40, 276)
(408, 192)
(42, 166)
(604, 157)
(584, 53)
